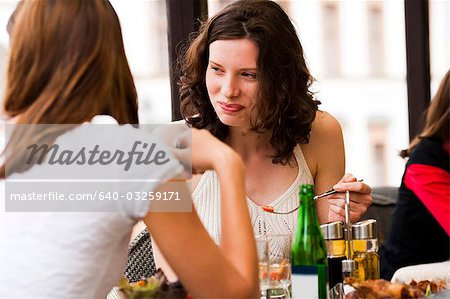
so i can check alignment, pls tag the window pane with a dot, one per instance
(364, 84)
(144, 29)
(331, 38)
(439, 41)
(375, 38)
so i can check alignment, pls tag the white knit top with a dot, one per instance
(75, 255)
(206, 198)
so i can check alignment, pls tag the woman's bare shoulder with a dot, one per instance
(325, 140)
(325, 126)
(325, 129)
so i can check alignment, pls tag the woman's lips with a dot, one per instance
(230, 108)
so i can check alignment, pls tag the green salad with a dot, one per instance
(156, 286)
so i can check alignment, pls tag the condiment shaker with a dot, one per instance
(365, 249)
(333, 233)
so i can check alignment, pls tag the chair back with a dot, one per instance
(382, 208)
(140, 263)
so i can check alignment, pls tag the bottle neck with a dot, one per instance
(308, 209)
(307, 201)
(308, 246)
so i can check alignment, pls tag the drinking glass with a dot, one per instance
(279, 265)
(263, 259)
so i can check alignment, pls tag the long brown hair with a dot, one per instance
(437, 117)
(284, 102)
(67, 64)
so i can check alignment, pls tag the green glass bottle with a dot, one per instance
(309, 252)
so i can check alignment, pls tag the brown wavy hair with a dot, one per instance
(67, 64)
(285, 104)
(437, 120)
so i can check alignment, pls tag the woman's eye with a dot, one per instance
(215, 68)
(249, 75)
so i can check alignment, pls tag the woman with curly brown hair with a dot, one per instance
(245, 79)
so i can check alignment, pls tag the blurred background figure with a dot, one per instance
(421, 222)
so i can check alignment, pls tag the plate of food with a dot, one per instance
(380, 288)
(155, 287)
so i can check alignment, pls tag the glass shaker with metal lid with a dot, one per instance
(365, 249)
(333, 233)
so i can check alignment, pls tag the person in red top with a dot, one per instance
(421, 222)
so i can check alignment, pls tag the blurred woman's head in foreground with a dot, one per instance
(67, 64)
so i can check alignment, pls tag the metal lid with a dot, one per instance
(366, 229)
(348, 265)
(333, 230)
